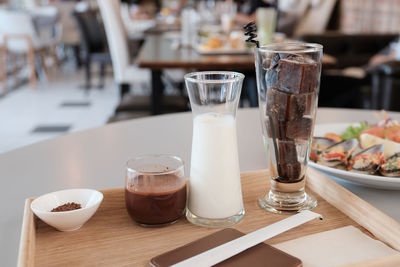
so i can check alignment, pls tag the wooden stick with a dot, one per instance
(4, 68)
(13, 63)
(376, 114)
(385, 117)
(32, 67)
(54, 55)
(43, 59)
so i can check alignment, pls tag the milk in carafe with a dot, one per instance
(215, 189)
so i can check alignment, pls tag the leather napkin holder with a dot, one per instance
(261, 255)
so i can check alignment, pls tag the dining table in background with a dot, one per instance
(163, 51)
(163, 27)
(96, 159)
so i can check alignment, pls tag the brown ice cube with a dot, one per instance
(290, 172)
(300, 105)
(289, 130)
(286, 107)
(271, 76)
(289, 168)
(287, 152)
(276, 104)
(298, 75)
(270, 65)
(299, 129)
(276, 129)
(271, 61)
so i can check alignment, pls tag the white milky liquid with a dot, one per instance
(215, 189)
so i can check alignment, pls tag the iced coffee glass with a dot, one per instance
(288, 76)
(215, 194)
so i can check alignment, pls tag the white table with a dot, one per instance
(96, 158)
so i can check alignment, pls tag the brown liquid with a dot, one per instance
(159, 202)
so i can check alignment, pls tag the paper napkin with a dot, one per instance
(336, 247)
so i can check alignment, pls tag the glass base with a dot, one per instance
(158, 225)
(214, 223)
(279, 202)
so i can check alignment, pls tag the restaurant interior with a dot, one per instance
(74, 70)
(86, 85)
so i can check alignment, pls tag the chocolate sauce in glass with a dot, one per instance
(156, 199)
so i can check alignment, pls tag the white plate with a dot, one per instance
(374, 181)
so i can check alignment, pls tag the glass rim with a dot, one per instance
(190, 77)
(279, 47)
(151, 156)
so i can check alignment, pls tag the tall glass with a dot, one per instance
(215, 194)
(288, 76)
(266, 23)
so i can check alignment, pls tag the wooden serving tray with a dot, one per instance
(111, 238)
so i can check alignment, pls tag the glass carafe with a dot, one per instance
(215, 194)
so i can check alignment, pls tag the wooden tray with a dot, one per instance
(111, 238)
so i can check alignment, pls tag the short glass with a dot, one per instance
(155, 189)
(288, 76)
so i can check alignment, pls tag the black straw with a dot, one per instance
(250, 31)
(272, 132)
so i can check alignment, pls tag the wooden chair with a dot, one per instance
(19, 37)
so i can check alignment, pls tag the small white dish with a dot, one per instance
(72, 220)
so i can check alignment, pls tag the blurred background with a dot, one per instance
(68, 66)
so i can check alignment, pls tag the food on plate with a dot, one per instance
(320, 144)
(393, 133)
(374, 130)
(354, 131)
(347, 155)
(338, 155)
(390, 147)
(368, 160)
(334, 137)
(380, 156)
(367, 148)
(213, 43)
(385, 128)
(235, 43)
(391, 127)
(392, 166)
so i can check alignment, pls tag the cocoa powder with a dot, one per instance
(67, 207)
